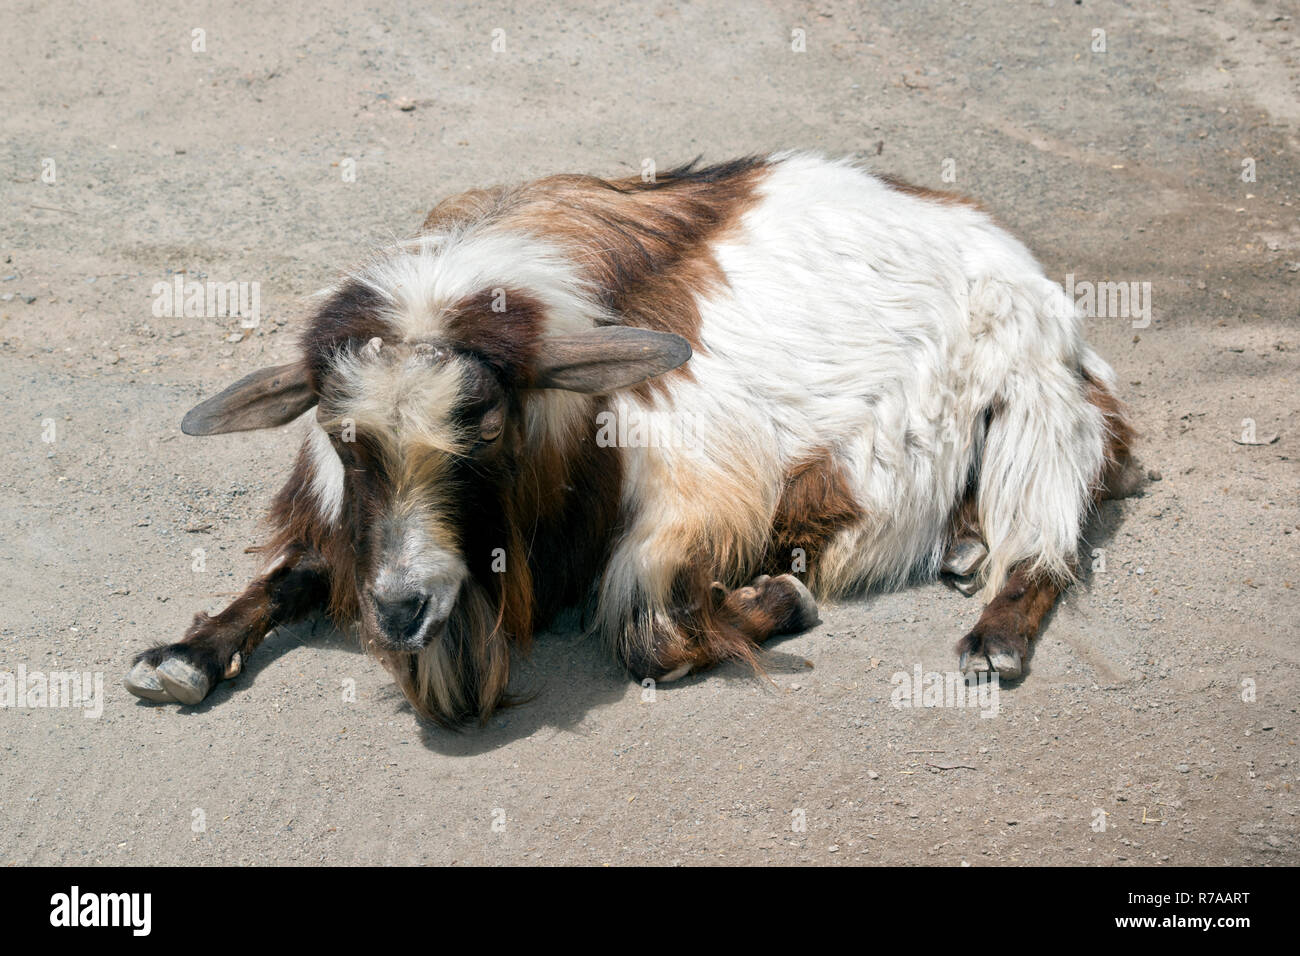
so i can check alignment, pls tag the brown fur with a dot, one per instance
(469, 206)
(1119, 440)
(292, 587)
(816, 504)
(555, 509)
(1014, 617)
(709, 623)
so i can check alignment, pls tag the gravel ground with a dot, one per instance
(1158, 721)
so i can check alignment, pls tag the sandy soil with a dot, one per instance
(229, 164)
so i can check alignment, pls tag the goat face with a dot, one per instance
(410, 464)
(420, 430)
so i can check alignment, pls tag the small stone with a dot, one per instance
(1153, 475)
(1183, 768)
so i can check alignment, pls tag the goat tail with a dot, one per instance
(1046, 442)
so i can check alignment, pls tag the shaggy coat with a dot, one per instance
(877, 375)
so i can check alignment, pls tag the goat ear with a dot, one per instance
(607, 358)
(266, 398)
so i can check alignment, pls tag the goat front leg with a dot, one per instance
(1000, 639)
(215, 648)
(715, 626)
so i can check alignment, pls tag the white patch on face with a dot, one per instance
(422, 278)
(398, 397)
(326, 474)
(416, 564)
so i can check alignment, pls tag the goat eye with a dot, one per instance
(493, 422)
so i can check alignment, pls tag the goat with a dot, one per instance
(879, 382)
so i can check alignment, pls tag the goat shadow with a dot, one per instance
(569, 673)
(566, 675)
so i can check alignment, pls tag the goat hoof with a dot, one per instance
(675, 674)
(983, 654)
(1006, 663)
(185, 682)
(967, 586)
(142, 680)
(234, 667)
(804, 614)
(964, 557)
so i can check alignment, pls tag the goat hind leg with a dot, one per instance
(215, 647)
(1000, 639)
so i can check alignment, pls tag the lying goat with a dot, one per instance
(506, 423)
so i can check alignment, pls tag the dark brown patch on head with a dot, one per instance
(502, 328)
(816, 503)
(351, 313)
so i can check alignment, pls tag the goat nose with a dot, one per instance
(401, 614)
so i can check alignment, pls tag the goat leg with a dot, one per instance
(216, 647)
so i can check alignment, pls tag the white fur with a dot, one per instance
(326, 474)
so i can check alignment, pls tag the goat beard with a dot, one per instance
(461, 673)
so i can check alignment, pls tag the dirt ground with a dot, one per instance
(1157, 724)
